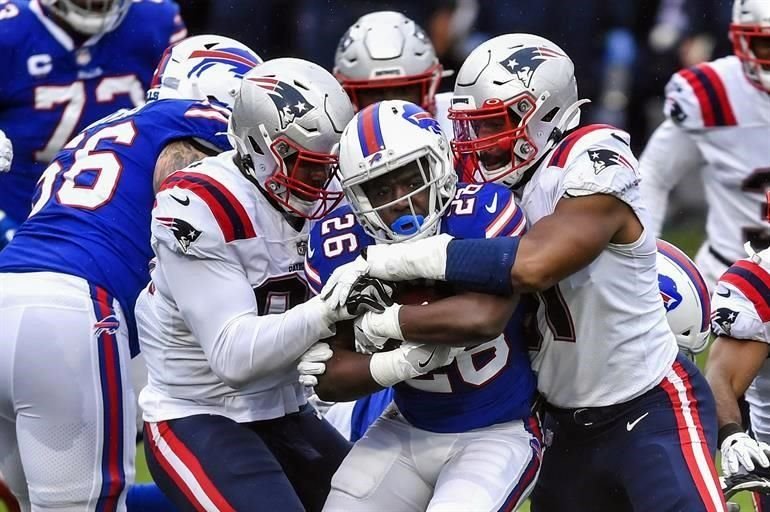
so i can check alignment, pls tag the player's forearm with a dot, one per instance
(251, 346)
(462, 320)
(347, 377)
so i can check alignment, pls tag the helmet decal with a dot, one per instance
(291, 104)
(671, 296)
(239, 60)
(523, 62)
(421, 118)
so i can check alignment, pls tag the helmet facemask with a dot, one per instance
(751, 44)
(493, 143)
(299, 179)
(392, 217)
(89, 17)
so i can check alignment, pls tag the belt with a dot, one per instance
(719, 257)
(593, 416)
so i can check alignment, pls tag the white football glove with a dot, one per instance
(408, 361)
(313, 363)
(337, 289)
(6, 153)
(740, 451)
(372, 330)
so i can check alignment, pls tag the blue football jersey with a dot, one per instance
(51, 88)
(487, 384)
(91, 212)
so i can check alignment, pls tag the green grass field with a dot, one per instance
(686, 239)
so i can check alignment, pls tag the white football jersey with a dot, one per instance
(605, 339)
(740, 308)
(719, 123)
(210, 322)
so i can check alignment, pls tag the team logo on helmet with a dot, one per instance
(421, 118)
(240, 61)
(345, 42)
(523, 62)
(184, 233)
(107, 325)
(603, 158)
(291, 104)
(668, 292)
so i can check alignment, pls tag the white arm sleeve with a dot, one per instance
(669, 155)
(219, 306)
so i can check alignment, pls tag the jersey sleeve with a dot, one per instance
(604, 165)
(696, 98)
(198, 216)
(170, 21)
(740, 306)
(484, 211)
(669, 154)
(335, 240)
(208, 125)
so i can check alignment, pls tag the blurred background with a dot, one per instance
(624, 50)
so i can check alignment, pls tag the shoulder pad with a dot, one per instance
(600, 162)
(484, 211)
(17, 21)
(198, 120)
(202, 201)
(334, 240)
(696, 98)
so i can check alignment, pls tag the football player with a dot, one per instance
(718, 122)
(71, 276)
(386, 56)
(460, 434)
(69, 63)
(227, 313)
(738, 365)
(607, 362)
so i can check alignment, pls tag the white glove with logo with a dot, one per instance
(313, 363)
(408, 361)
(6, 153)
(740, 451)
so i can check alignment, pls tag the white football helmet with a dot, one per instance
(387, 50)
(89, 17)
(514, 98)
(751, 22)
(383, 138)
(685, 297)
(205, 67)
(286, 126)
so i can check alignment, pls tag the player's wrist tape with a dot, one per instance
(728, 430)
(424, 258)
(482, 265)
(385, 324)
(389, 368)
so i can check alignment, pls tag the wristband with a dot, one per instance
(482, 265)
(728, 430)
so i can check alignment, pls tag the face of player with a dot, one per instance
(760, 46)
(312, 174)
(412, 93)
(499, 156)
(394, 187)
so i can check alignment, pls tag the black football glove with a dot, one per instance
(369, 294)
